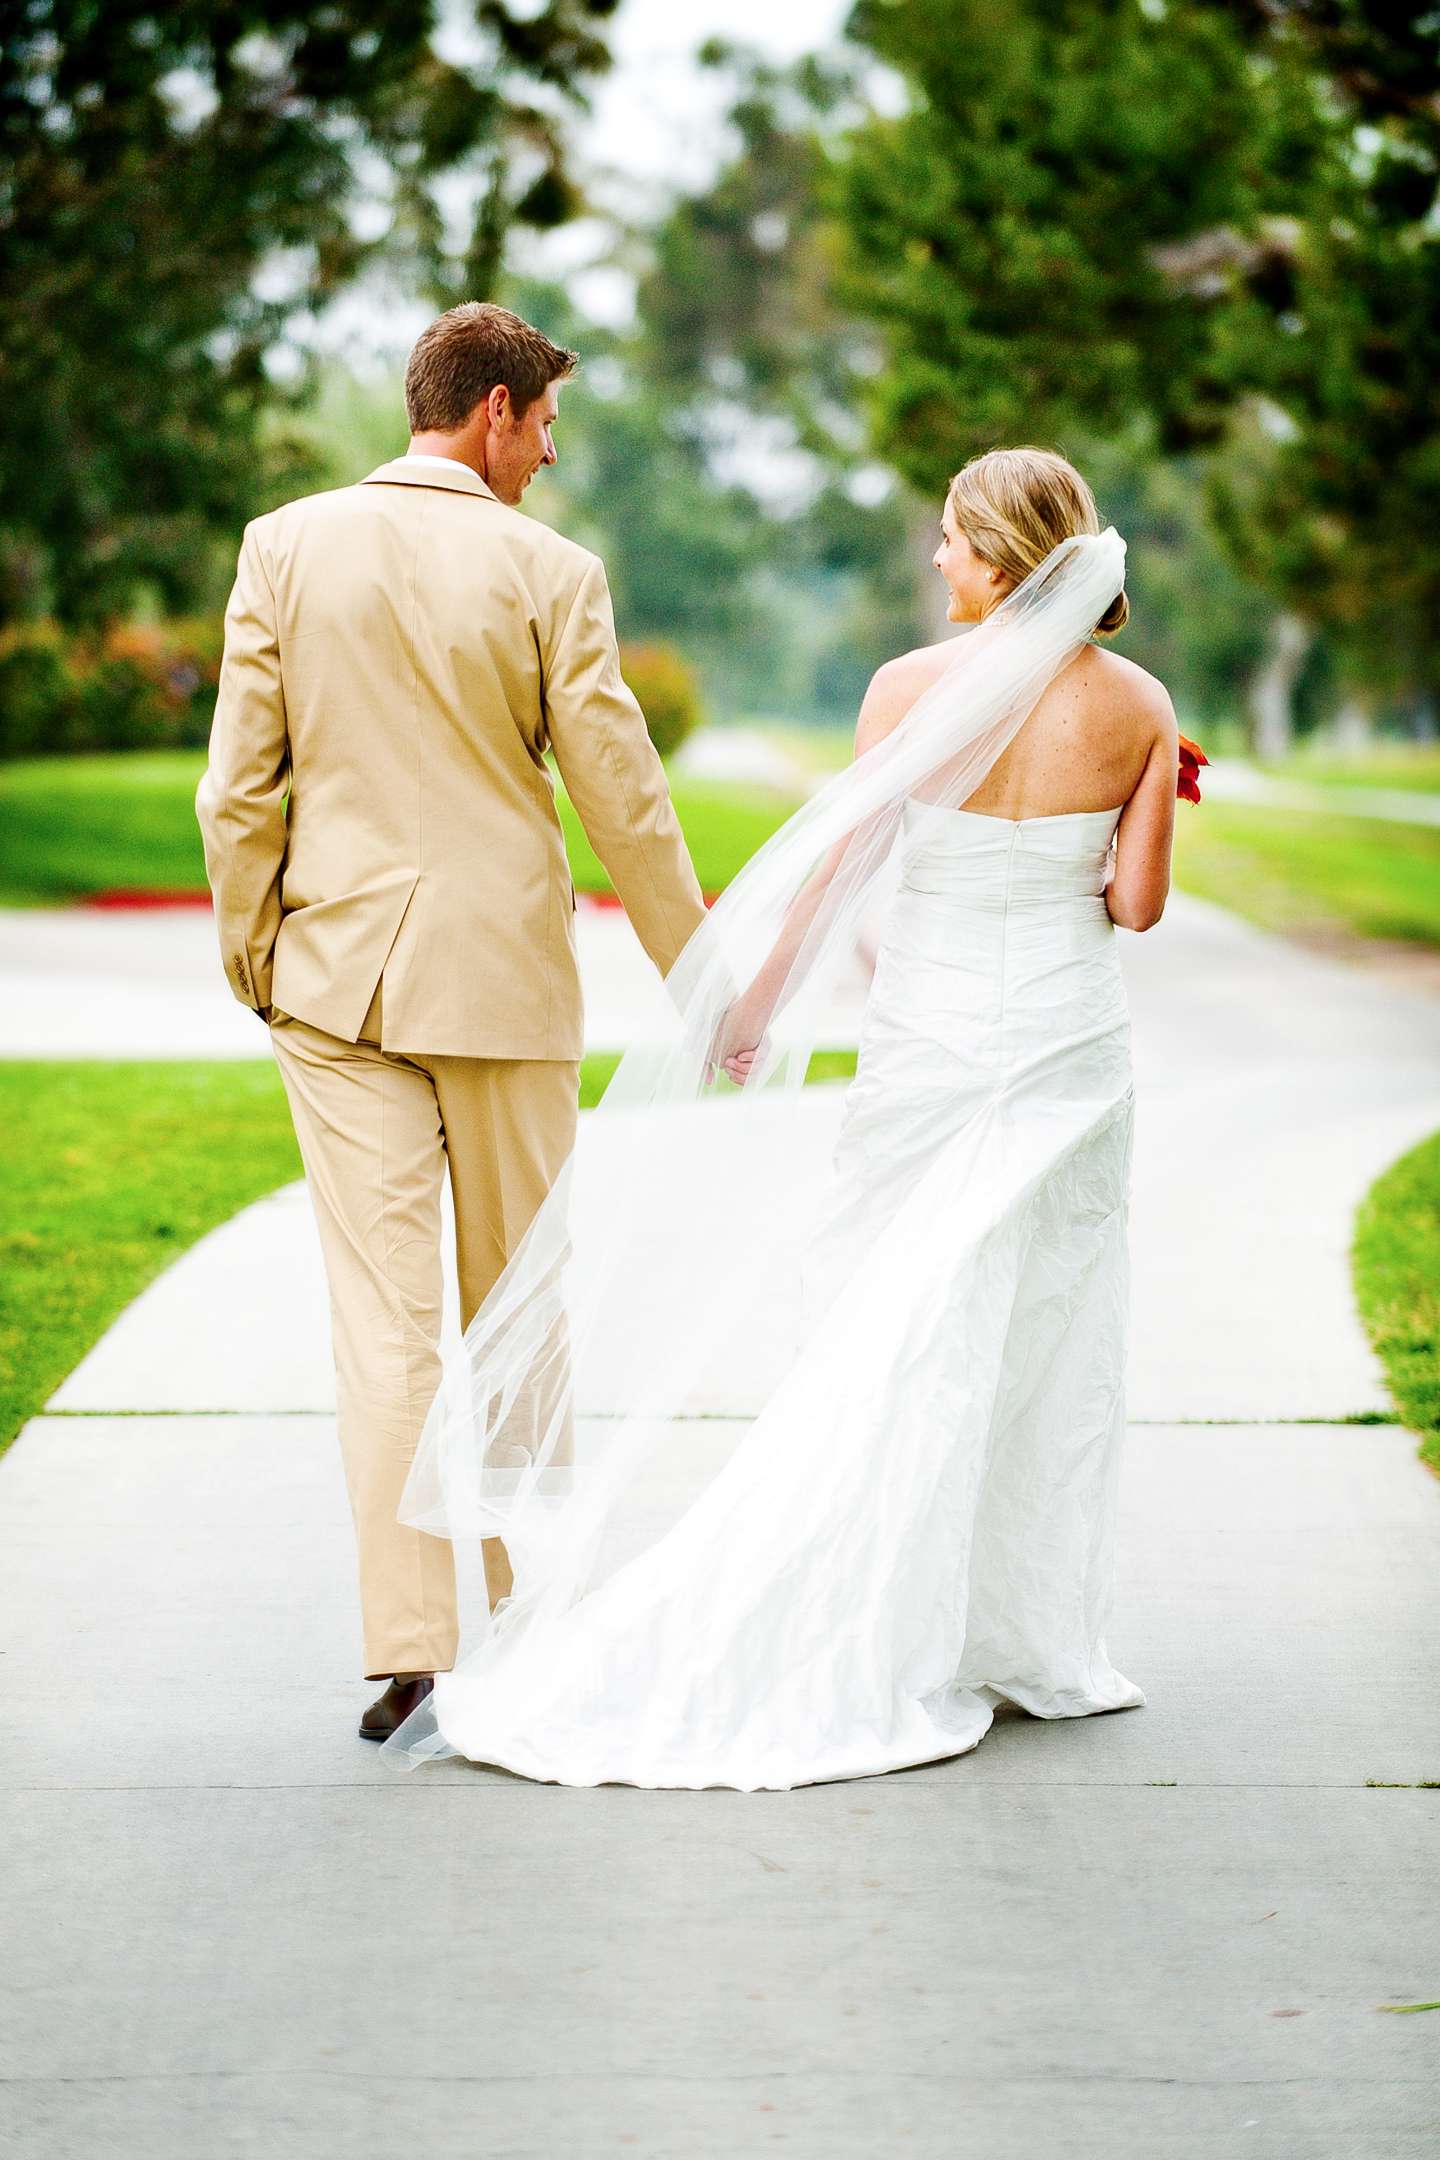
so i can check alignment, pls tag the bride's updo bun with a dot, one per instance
(1014, 506)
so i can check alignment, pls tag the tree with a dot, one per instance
(1333, 509)
(1008, 231)
(181, 182)
(717, 456)
(739, 315)
(710, 450)
(756, 369)
(1216, 220)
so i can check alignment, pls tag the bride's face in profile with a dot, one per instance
(974, 585)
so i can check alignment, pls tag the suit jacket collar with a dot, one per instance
(409, 472)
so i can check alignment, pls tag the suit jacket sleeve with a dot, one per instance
(240, 802)
(614, 777)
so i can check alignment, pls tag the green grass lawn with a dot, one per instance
(75, 826)
(1300, 870)
(81, 825)
(114, 1169)
(1395, 1256)
(724, 823)
(111, 1172)
(90, 824)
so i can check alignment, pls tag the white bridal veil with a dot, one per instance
(683, 1260)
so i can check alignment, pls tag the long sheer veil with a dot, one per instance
(686, 1257)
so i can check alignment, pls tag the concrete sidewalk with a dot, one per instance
(147, 983)
(1157, 1935)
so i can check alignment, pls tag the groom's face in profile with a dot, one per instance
(518, 444)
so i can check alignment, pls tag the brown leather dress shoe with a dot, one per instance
(390, 1710)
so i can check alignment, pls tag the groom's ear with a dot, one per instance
(499, 406)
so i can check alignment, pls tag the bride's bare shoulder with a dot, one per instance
(1118, 681)
(895, 686)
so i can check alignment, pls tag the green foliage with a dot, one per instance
(350, 425)
(712, 453)
(1006, 231)
(737, 300)
(1194, 621)
(1395, 1257)
(38, 691)
(158, 161)
(174, 667)
(136, 687)
(789, 600)
(1341, 335)
(667, 692)
(1214, 220)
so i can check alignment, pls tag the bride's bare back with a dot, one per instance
(1102, 736)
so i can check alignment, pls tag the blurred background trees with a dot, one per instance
(1202, 228)
(183, 187)
(1193, 243)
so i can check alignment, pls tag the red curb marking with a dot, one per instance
(140, 897)
(613, 900)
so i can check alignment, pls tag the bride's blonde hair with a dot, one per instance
(1014, 506)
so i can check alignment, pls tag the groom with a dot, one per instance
(392, 894)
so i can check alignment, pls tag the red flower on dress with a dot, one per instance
(1192, 757)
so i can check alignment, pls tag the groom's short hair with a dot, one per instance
(465, 352)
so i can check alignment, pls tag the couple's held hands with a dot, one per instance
(738, 1040)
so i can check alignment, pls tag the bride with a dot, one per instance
(799, 1410)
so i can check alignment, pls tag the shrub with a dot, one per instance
(665, 685)
(175, 668)
(38, 690)
(147, 686)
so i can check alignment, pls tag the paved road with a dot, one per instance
(1233, 780)
(1161, 1934)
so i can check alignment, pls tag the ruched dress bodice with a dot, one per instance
(1042, 859)
(1006, 915)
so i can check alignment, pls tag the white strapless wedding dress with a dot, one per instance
(921, 1521)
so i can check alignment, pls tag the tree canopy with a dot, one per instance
(179, 183)
(1215, 219)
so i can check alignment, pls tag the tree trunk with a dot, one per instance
(1353, 728)
(1272, 687)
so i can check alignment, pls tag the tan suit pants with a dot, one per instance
(376, 1129)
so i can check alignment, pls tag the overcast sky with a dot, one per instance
(658, 116)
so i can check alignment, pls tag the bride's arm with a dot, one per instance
(893, 690)
(1136, 893)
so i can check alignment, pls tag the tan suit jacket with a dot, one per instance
(398, 656)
